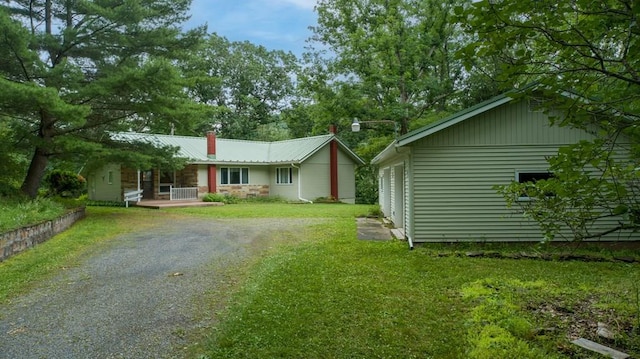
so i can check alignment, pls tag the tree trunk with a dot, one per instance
(34, 175)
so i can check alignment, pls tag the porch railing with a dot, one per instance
(183, 193)
(132, 196)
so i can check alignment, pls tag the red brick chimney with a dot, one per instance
(211, 154)
(211, 144)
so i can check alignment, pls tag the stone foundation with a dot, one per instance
(244, 191)
(18, 240)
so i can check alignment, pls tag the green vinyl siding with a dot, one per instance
(510, 124)
(455, 170)
(454, 198)
(105, 184)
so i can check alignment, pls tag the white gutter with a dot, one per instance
(300, 185)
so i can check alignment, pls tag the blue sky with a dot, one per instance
(275, 24)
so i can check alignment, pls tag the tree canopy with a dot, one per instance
(584, 55)
(248, 85)
(387, 60)
(72, 71)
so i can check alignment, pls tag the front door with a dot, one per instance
(146, 184)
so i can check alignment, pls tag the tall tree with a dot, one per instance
(72, 70)
(248, 84)
(397, 55)
(585, 56)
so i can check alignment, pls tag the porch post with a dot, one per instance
(138, 185)
(211, 178)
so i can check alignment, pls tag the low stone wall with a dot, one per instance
(20, 239)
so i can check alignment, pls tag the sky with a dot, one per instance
(274, 24)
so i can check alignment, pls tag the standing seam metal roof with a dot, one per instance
(239, 151)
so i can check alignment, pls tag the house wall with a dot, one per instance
(99, 186)
(203, 180)
(346, 178)
(258, 185)
(288, 191)
(455, 170)
(316, 181)
(187, 177)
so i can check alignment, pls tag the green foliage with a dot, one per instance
(222, 198)
(582, 55)
(393, 61)
(375, 211)
(248, 86)
(65, 183)
(590, 184)
(295, 297)
(106, 68)
(497, 328)
(16, 212)
(297, 300)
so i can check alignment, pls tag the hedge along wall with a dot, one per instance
(18, 240)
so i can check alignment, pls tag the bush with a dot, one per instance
(65, 183)
(326, 200)
(217, 197)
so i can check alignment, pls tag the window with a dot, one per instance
(531, 177)
(167, 179)
(109, 177)
(284, 175)
(234, 175)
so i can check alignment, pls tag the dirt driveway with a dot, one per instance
(136, 299)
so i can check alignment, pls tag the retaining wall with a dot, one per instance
(16, 241)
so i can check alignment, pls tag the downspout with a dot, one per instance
(300, 185)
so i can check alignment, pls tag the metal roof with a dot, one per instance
(230, 151)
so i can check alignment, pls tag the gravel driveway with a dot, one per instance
(135, 299)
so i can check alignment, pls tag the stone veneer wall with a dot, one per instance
(244, 191)
(18, 240)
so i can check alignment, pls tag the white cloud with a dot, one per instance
(304, 4)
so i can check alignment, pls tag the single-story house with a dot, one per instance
(301, 169)
(436, 184)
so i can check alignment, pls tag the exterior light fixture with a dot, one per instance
(355, 125)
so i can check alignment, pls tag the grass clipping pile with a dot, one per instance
(512, 318)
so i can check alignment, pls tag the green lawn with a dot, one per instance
(322, 293)
(332, 296)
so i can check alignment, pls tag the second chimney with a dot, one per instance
(211, 144)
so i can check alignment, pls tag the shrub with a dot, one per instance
(217, 197)
(65, 183)
(328, 199)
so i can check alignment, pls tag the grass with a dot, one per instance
(281, 210)
(331, 296)
(321, 293)
(16, 213)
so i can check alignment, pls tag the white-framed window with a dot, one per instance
(531, 176)
(234, 175)
(284, 175)
(167, 180)
(109, 177)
